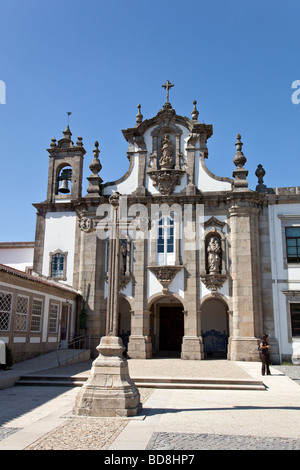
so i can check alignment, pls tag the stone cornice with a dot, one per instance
(44, 207)
(194, 127)
(213, 198)
(74, 150)
(287, 197)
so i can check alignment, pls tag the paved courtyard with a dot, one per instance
(40, 418)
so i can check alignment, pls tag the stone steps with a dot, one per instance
(51, 380)
(150, 382)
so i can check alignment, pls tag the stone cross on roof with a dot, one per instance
(167, 86)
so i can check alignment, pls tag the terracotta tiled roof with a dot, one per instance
(37, 278)
(16, 244)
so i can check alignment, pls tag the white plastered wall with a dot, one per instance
(60, 235)
(17, 258)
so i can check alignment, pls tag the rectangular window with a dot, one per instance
(36, 315)
(292, 235)
(53, 318)
(5, 310)
(170, 240)
(295, 319)
(21, 313)
(165, 241)
(58, 265)
(160, 241)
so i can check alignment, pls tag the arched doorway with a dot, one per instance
(214, 328)
(167, 327)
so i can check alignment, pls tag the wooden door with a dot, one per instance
(171, 328)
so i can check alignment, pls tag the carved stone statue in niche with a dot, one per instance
(123, 257)
(213, 256)
(166, 161)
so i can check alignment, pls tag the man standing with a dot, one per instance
(265, 355)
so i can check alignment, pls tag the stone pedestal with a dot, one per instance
(109, 391)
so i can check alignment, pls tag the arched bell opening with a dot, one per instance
(64, 180)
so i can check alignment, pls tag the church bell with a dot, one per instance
(64, 187)
(65, 176)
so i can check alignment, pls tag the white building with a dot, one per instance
(214, 295)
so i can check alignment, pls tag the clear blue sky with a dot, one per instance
(100, 58)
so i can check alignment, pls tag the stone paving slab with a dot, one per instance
(273, 415)
(193, 441)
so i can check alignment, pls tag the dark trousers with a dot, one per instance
(265, 364)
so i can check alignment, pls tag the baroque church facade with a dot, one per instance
(206, 265)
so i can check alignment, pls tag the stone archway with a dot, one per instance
(166, 326)
(214, 328)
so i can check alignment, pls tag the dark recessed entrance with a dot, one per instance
(171, 329)
(214, 329)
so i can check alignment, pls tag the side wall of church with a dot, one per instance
(285, 277)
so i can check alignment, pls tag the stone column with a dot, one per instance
(245, 275)
(110, 391)
(192, 347)
(140, 346)
(88, 254)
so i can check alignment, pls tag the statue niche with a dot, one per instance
(167, 158)
(166, 161)
(125, 261)
(213, 252)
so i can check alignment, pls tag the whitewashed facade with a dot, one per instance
(176, 293)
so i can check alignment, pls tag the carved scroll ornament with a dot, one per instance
(165, 275)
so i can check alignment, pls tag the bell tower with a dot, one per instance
(65, 168)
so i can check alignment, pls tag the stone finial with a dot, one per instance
(260, 173)
(95, 180)
(96, 166)
(139, 116)
(79, 142)
(239, 158)
(66, 141)
(67, 133)
(195, 112)
(53, 142)
(240, 174)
